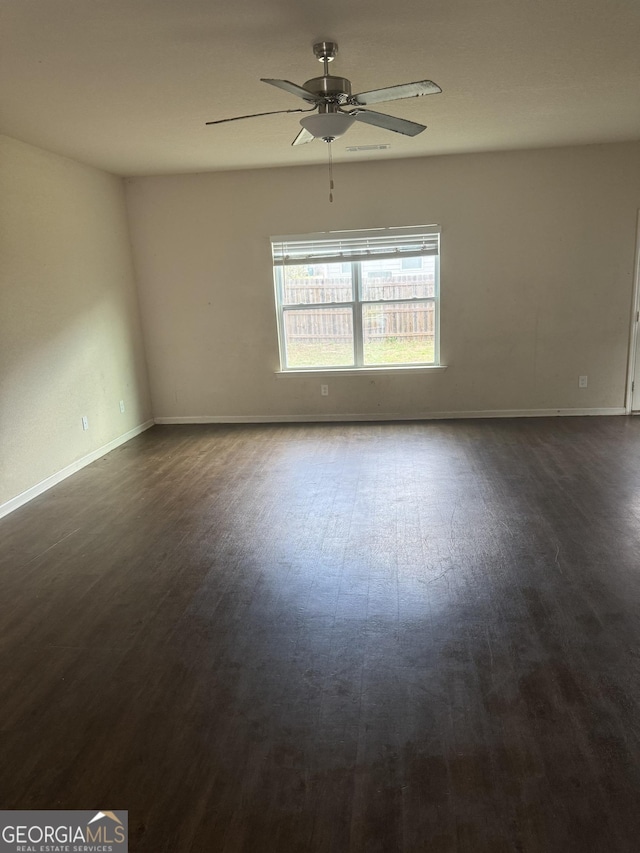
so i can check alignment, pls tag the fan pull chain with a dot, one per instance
(330, 175)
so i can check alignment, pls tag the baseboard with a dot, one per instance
(387, 416)
(56, 478)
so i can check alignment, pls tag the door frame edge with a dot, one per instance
(633, 325)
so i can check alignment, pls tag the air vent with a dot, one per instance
(368, 147)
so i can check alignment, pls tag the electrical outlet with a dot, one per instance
(85, 422)
(582, 382)
(324, 390)
(122, 406)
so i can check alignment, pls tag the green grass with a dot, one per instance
(337, 353)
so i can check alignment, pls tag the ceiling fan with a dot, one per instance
(330, 95)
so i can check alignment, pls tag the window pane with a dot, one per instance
(310, 284)
(399, 278)
(319, 337)
(398, 334)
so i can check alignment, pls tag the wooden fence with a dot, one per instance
(380, 321)
(384, 321)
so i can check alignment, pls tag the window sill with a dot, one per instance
(362, 371)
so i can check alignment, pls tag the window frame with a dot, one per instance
(356, 304)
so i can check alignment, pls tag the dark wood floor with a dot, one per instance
(397, 637)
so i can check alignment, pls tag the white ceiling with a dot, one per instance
(127, 85)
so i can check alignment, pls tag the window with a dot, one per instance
(358, 299)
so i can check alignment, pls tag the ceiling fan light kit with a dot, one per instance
(328, 126)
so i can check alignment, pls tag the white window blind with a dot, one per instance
(342, 246)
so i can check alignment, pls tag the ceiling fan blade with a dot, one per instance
(394, 93)
(398, 125)
(303, 137)
(293, 88)
(256, 115)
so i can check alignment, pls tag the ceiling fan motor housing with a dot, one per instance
(337, 89)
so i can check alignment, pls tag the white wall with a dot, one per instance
(537, 262)
(70, 338)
